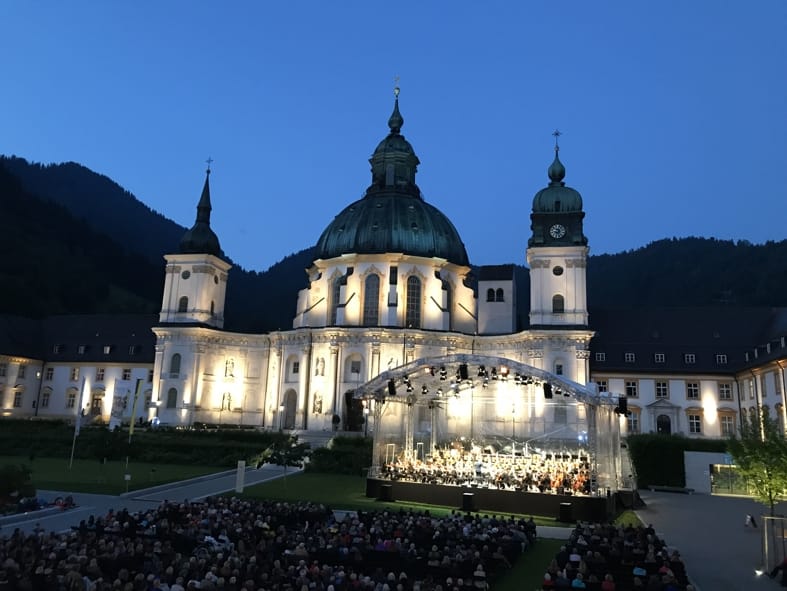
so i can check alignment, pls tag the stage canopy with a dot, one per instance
(491, 405)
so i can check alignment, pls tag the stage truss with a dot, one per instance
(498, 405)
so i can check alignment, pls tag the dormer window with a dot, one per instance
(107, 349)
(81, 349)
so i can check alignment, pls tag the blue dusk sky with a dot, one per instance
(673, 113)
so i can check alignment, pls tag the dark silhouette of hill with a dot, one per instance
(72, 244)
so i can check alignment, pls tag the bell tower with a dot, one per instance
(557, 254)
(195, 282)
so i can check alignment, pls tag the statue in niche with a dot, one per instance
(319, 367)
(229, 368)
(317, 404)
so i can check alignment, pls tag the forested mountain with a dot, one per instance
(71, 245)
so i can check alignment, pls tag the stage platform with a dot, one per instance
(566, 508)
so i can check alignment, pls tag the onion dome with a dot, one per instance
(392, 217)
(557, 197)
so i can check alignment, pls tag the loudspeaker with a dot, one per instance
(391, 387)
(463, 371)
(623, 405)
(547, 390)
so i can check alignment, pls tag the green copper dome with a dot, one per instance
(392, 217)
(557, 197)
(201, 239)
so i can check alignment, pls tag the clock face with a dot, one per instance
(557, 231)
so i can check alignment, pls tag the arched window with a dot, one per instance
(490, 295)
(558, 305)
(371, 301)
(499, 295)
(412, 317)
(212, 308)
(183, 304)
(336, 294)
(174, 364)
(172, 398)
(449, 303)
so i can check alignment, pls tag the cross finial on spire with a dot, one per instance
(396, 86)
(557, 134)
(209, 160)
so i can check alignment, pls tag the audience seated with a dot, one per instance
(241, 545)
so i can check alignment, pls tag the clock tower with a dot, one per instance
(557, 254)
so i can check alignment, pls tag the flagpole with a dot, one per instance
(133, 419)
(77, 423)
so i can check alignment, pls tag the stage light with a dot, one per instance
(409, 387)
(494, 373)
(443, 373)
(424, 390)
(439, 391)
(486, 383)
(481, 371)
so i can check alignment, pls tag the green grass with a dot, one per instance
(628, 517)
(92, 477)
(342, 491)
(527, 573)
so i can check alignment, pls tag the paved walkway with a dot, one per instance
(92, 504)
(720, 553)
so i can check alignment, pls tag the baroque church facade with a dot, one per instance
(391, 283)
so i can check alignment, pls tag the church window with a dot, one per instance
(695, 423)
(558, 304)
(183, 304)
(355, 366)
(413, 310)
(371, 301)
(727, 425)
(632, 419)
(499, 295)
(336, 294)
(490, 295)
(174, 364)
(172, 398)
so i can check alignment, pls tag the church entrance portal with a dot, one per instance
(289, 410)
(663, 425)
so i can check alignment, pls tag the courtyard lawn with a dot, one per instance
(90, 476)
(342, 491)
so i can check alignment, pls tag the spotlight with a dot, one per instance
(504, 373)
(424, 390)
(547, 390)
(486, 383)
(481, 371)
(517, 378)
(443, 374)
(409, 387)
(494, 373)
(439, 391)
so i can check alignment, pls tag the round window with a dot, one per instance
(558, 270)
(185, 274)
(215, 280)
